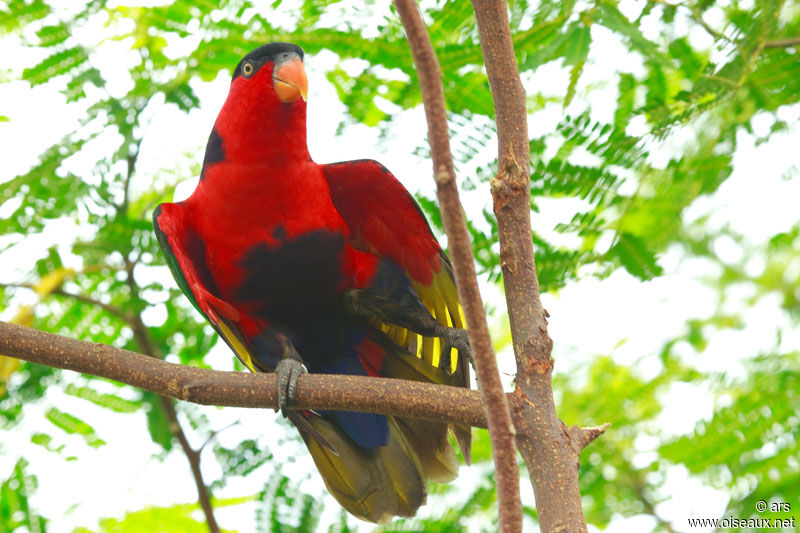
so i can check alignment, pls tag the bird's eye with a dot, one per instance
(247, 69)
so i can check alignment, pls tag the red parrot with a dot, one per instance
(330, 269)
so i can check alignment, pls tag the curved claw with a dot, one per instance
(454, 339)
(289, 372)
(457, 338)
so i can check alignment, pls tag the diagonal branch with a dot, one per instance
(145, 343)
(501, 429)
(111, 309)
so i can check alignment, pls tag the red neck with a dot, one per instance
(256, 127)
(264, 152)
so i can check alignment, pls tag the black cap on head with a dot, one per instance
(266, 53)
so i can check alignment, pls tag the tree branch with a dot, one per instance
(639, 490)
(547, 445)
(501, 428)
(240, 389)
(112, 309)
(140, 333)
(193, 456)
(145, 343)
(783, 43)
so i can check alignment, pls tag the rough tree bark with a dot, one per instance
(549, 448)
(501, 429)
(242, 389)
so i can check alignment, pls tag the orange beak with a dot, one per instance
(290, 80)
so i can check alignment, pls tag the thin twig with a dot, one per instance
(193, 456)
(501, 428)
(146, 344)
(650, 508)
(216, 432)
(720, 79)
(142, 337)
(783, 43)
(698, 18)
(112, 309)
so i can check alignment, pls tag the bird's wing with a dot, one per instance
(185, 252)
(385, 220)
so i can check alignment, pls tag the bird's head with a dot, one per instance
(266, 110)
(273, 71)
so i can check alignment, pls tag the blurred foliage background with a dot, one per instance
(640, 112)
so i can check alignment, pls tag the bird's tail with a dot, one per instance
(374, 484)
(387, 480)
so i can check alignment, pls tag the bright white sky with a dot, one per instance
(588, 317)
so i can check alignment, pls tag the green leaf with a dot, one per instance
(46, 441)
(761, 435)
(157, 422)
(52, 35)
(576, 47)
(574, 75)
(17, 14)
(551, 50)
(179, 517)
(241, 460)
(612, 18)
(59, 63)
(73, 425)
(633, 254)
(109, 401)
(16, 513)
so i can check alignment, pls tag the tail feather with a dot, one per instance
(432, 445)
(375, 484)
(398, 362)
(463, 436)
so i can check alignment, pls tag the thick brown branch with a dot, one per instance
(544, 441)
(240, 389)
(501, 428)
(511, 186)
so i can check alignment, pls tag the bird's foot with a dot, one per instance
(411, 315)
(289, 372)
(455, 338)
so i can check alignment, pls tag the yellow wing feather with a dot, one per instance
(441, 300)
(236, 344)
